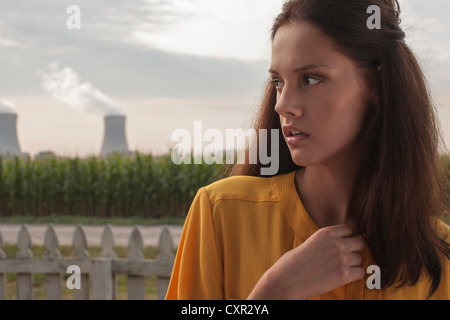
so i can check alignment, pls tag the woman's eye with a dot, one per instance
(277, 83)
(311, 81)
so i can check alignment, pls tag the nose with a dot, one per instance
(289, 103)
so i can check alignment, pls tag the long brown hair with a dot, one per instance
(407, 194)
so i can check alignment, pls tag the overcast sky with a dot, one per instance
(162, 63)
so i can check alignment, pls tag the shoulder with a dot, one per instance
(247, 188)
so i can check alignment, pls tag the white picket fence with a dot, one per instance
(98, 275)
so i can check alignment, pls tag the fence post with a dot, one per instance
(107, 245)
(136, 284)
(24, 280)
(167, 258)
(53, 283)
(79, 243)
(102, 288)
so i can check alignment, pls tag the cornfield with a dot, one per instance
(113, 186)
(117, 185)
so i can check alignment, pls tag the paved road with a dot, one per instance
(64, 232)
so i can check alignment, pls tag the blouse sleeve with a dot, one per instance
(197, 272)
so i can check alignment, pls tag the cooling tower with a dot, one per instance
(114, 138)
(8, 134)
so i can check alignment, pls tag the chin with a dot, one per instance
(305, 159)
(302, 161)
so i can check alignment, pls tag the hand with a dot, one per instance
(327, 260)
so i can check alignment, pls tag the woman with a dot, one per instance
(360, 182)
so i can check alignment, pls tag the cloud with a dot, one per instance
(123, 46)
(65, 85)
(8, 43)
(112, 20)
(6, 106)
(231, 29)
(103, 50)
(427, 27)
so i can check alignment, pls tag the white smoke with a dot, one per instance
(6, 106)
(65, 85)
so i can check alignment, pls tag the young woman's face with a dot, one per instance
(320, 95)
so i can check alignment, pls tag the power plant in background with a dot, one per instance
(9, 144)
(114, 137)
(65, 85)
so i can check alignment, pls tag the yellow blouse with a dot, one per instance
(238, 227)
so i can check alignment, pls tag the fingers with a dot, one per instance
(345, 232)
(351, 247)
(354, 260)
(354, 244)
(356, 273)
(341, 230)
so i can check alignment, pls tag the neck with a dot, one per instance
(332, 194)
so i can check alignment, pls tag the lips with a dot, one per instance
(290, 131)
(295, 137)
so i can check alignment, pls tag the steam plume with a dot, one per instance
(65, 85)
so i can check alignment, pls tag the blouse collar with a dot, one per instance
(292, 207)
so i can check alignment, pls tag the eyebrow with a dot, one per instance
(305, 67)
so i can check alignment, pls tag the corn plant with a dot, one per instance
(116, 185)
